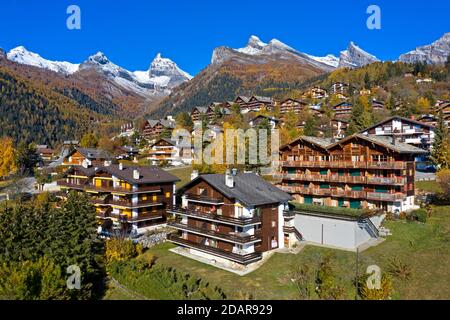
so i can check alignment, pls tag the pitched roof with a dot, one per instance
(397, 118)
(243, 98)
(262, 99)
(386, 142)
(91, 153)
(200, 109)
(147, 174)
(249, 189)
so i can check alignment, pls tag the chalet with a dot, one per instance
(78, 156)
(343, 109)
(339, 127)
(254, 103)
(172, 152)
(200, 113)
(153, 128)
(241, 100)
(428, 119)
(359, 171)
(126, 153)
(340, 88)
(45, 153)
(126, 198)
(377, 105)
(232, 218)
(315, 93)
(292, 105)
(405, 130)
(445, 109)
(271, 121)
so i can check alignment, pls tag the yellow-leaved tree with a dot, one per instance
(7, 163)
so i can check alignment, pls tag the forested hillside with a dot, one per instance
(32, 112)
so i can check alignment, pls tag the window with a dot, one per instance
(167, 195)
(144, 198)
(274, 224)
(201, 191)
(154, 198)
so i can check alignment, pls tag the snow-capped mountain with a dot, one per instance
(329, 59)
(437, 52)
(23, 56)
(162, 76)
(257, 51)
(355, 57)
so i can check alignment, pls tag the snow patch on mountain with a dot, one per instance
(329, 59)
(23, 56)
(254, 46)
(355, 57)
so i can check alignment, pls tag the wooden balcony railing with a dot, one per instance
(240, 258)
(203, 198)
(342, 179)
(241, 221)
(240, 238)
(308, 191)
(125, 219)
(385, 196)
(107, 188)
(345, 164)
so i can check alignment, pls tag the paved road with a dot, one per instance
(425, 176)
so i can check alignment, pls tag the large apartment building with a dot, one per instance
(416, 133)
(131, 197)
(230, 217)
(360, 171)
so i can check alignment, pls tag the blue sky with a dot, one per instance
(132, 32)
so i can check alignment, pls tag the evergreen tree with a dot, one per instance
(26, 158)
(361, 116)
(310, 127)
(440, 152)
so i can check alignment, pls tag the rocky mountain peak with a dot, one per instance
(437, 52)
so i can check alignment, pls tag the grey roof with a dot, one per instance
(327, 143)
(244, 98)
(91, 153)
(263, 99)
(147, 174)
(249, 189)
(399, 146)
(321, 142)
(167, 123)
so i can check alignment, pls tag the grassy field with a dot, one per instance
(424, 248)
(429, 186)
(183, 173)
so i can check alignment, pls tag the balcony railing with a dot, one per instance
(309, 191)
(240, 238)
(203, 198)
(348, 194)
(91, 187)
(236, 257)
(125, 219)
(130, 204)
(385, 196)
(342, 179)
(345, 164)
(241, 221)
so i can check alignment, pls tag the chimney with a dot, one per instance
(229, 179)
(121, 166)
(234, 171)
(107, 163)
(85, 164)
(194, 174)
(136, 175)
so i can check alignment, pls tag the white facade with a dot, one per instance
(340, 233)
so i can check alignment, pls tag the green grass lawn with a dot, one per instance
(429, 186)
(183, 173)
(425, 248)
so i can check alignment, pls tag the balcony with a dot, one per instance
(94, 188)
(309, 191)
(241, 221)
(386, 180)
(124, 218)
(385, 196)
(204, 198)
(345, 164)
(131, 205)
(348, 194)
(235, 237)
(236, 257)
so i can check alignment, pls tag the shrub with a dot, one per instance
(119, 250)
(399, 269)
(419, 215)
(383, 293)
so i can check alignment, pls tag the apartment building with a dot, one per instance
(359, 171)
(233, 218)
(132, 198)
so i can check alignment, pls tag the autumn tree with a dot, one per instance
(7, 163)
(184, 120)
(89, 140)
(361, 116)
